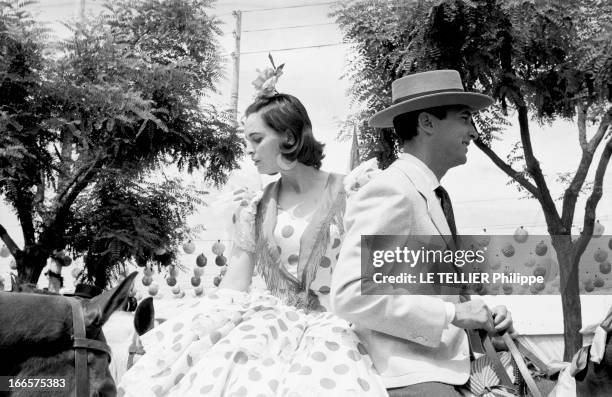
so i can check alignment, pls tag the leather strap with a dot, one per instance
(520, 363)
(80, 344)
(80, 352)
(498, 367)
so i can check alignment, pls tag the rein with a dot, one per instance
(81, 345)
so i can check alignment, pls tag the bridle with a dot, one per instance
(134, 349)
(81, 344)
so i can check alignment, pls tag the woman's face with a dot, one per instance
(264, 144)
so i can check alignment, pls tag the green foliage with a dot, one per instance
(123, 96)
(122, 219)
(547, 56)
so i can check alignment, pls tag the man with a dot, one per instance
(418, 343)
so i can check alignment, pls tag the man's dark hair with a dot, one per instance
(406, 124)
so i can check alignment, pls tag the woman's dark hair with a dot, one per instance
(285, 114)
(406, 124)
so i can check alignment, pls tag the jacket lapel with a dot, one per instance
(434, 209)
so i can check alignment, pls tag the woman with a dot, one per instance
(283, 341)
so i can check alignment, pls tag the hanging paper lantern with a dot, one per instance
(539, 271)
(195, 281)
(539, 286)
(199, 290)
(598, 229)
(483, 240)
(605, 267)
(160, 251)
(189, 247)
(13, 264)
(201, 260)
(218, 248)
(220, 260)
(148, 272)
(507, 250)
(520, 235)
(598, 283)
(66, 261)
(75, 272)
(534, 290)
(147, 280)
(172, 271)
(198, 271)
(171, 281)
(588, 286)
(496, 263)
(153, 289)
(541, 248)
(530, 262)
(4, 252)
(216, 281)
(176, 289)
(600, 255)
(507, 288)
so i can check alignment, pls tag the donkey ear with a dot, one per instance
(99, 308)
(144, 317)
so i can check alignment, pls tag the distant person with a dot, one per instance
(418, 343)
(283, 341)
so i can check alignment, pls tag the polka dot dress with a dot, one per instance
(234, 344)
(238, 344)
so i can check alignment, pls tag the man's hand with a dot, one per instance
(474, 314)
(503, 320)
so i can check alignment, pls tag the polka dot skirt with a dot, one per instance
(233, 344)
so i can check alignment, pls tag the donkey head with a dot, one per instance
(36, 337)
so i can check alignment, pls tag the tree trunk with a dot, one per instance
(570, 295)
(31, 264)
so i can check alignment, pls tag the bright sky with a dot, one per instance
(481, 196)
(479, 190)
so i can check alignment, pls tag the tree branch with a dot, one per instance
(601, 131)
(511, 172)
(10, 244)
(582, 112)
(593, 200)
(533, 167)
(588, 150)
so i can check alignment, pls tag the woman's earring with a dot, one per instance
(284, 164)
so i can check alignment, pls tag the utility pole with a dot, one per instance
(80, 5)
(236, 57)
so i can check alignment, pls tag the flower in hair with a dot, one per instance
(265, 83)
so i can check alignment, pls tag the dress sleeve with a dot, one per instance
(243, 220)
(360, 176)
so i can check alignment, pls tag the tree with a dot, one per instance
(543, 60)
(84, 121)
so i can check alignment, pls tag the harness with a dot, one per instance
(81, 344)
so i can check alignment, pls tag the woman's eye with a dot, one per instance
(257, 140)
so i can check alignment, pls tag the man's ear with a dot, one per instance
(425, 123)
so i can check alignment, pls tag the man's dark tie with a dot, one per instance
(447, 208)
(473, 337)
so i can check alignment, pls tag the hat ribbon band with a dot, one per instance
(413, 96)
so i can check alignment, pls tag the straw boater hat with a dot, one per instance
(427, 90)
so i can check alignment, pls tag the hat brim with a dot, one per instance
(473, 100)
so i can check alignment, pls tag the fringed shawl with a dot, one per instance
(313, 243)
